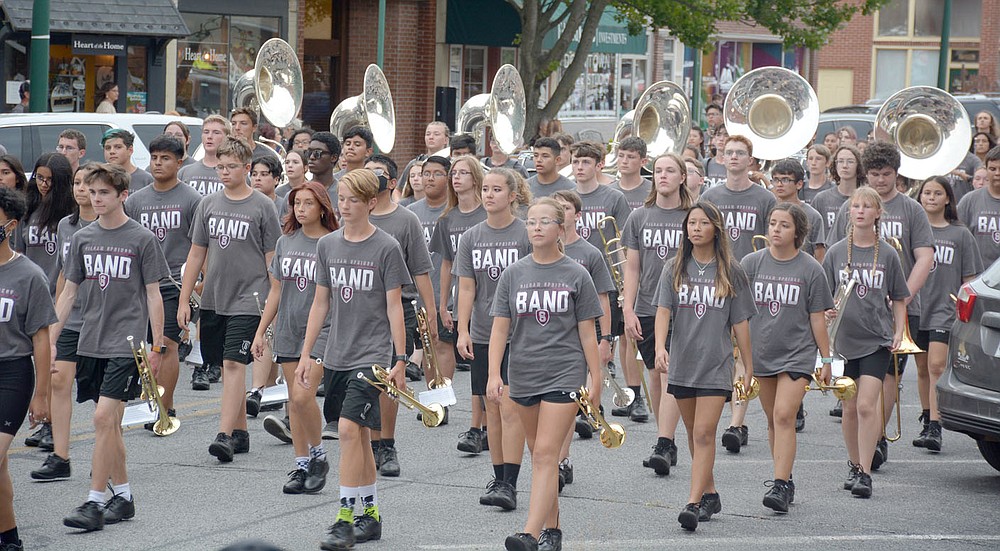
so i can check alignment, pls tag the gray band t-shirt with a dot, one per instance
(25, 307)
(715, 175)
(65, 234)
(956, 257)
(636, 196)
(597, 204)
(483, 254)
(545, 304)
(112, 268)
(447, 234)
(827, 203)
(205, 180)
(980, 212)
(294, 265)
(807, 194)
(656, 234)
(786, 293)
(817, 230)
(41, 245)
(593, 261)
(701, 345)
(428, 217)
(404, 225)
(358, 275)
(138, 180)
(168, 214)
(238, 235)
(745, 213)
(539, 190)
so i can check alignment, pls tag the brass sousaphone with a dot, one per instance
(929, 127)
(371, 108)
(775, 108)
(273, 87)
(503, 110)
(662, 118)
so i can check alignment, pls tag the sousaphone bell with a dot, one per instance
(775, 108)
(503, 110)
(372, 108)
(274, 86)
(928, 126)
(662, 118)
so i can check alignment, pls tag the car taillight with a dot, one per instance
(966, 300)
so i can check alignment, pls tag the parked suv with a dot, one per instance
(28, 135)
(969, 389)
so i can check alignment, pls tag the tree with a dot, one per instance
(798, 22)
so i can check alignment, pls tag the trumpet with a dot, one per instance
(612, 435)
(432, 415)
(425, 338)
(844, 388)
(744, 394)
(623, 397)
(151, 392)
(269, 333)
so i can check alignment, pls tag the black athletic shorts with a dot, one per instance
(647, 346)
(116, 378)
(684, 392)
(227, 337)
(17, 385)
(936, 335)
(877, 364)
(410, 322)
(359, 399)
(66, 346)
(793, 375)
(170, 295)
(480, 373)
(617, 317)
(291, 359)
(553, 397)
(444, 335)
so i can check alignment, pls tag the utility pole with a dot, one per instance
(944, 58)
(39, 63)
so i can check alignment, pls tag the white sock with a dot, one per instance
(302, 463)
(97, 496)
(122, 490)
(317, 452)
(368, 496)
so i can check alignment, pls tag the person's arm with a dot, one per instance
(154, 303)
(394, 309)
(446, 319)
(270, 312)
(924, 260)
(661, 328)
(604, 346)
(898, 322)
(632, 269)
(42, 351)
(742, 332)
(588, 338)
(426, 291)
(64, 305)
(466, 298)
(317, 316)
(196, 258)
(817, 322)
(498, 343)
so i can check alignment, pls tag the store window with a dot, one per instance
(75, 78)
(632, 83)
(136, 97)
(896, 69)
(473, 72)
(922, 18)
(595, 90)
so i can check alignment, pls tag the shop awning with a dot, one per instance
(129, 17)
(482, 23)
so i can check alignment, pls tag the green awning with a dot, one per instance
(612, 37)
(482, 23)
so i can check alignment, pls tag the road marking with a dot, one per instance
(685, 540)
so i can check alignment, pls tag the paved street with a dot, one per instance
(187, 500)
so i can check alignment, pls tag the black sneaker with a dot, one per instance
(278, 428)
(863, 487)
(253, 402)
(296, 482)
(390, 461)
(934, 436)
(584, 428)
(118, 509)
(340, 537)
(471, 441)
(567, 470)
(47, 444)
(672, 451)
(222, 448)
(800, 419)
(367, 527)
(149, 426)
(183, 349)
(505, 496)
(777, 497)
(377, 454)
(732, 439)
(413, 372)
(199, 378)
(639, 412)
(550, 540)
(521, 542)
(489, 498)
(689, 517)
(34, 439)
(88, 517)
(12, 546)
(744, 435)
(852, 476)
(709, 505)
(921, 440)
(461, 366)
(659, 461)
(331, 431)
(881, 454)
(790, 489)
(838, 410)
(214, 373)
(53, 468)
(316, 475)
(241, 441)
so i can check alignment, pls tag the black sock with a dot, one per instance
(510, 472)
(376, 444)
(388, 442)
(663, 441)
(926, 413)
(777, 480)
(10, 536)
(934, 424)
(498, 471)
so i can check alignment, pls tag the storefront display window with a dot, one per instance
(137, 98)
(74, 79)
(595, 90)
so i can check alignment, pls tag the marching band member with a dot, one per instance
(167, 209)
(50, 199)
(744, 207)
(870, 330)
(548, 156)
(791, 292)
(415, 191)
(57, 465)
(956, 261)
(404, 227)
(111, 264)
(545, 305)
(631, 156)
(818, 163)
(695, 177)
(786, 183)
(25, 316)
(235, 230)
(979, 210)
(484, 252)
(848, 175)
(202, 175)
(360, 273)
(652, 235)
(293, 285)
(704, 296)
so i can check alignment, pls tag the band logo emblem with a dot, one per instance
(493, 272)
(346, 294)
(301, 283)
(701, 308)
(50, 248)
(161, 233)
(774, 307)
(103, 280)
(996, 237)
(734, 233)
(224, 241)
(585, 232)
(862, 291)
(542, 317)
(934, 266)
(662, 251)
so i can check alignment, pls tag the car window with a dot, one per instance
(860, 126)
(48, 138)
(147, 132)
(10, 138)
(991, 276)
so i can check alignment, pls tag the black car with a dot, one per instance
(969, 389)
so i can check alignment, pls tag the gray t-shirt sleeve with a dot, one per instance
(956, 257)
(139, 179)
(25, 307)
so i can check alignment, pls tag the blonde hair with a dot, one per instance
(477, 178)
(687, 199)
(560, 214)
(517, 186)
(362, 183)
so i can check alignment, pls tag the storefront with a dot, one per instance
(124, 45)
(222, 45)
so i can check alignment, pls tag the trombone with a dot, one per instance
(432, 415)
(623, 396)
(843, 388)
(744, 394)
(151, 392)
(432, 364)
(906, 346)
(269, 333)
(612, 435)
(760, 241)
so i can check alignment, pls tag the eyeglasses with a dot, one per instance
(785, 180)
(460, 173)
(44, 180)
(228, 168)
(316, 153)
(435, 174)
(533, 222)
(738, 153)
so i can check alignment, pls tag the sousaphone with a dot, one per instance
(775, 108)
(929, 127)
(273, 88)
(662, 118)
(503, 110)
(371, 108)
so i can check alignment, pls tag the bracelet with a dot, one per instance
(609, 338)
(826, 361)
(400, 358)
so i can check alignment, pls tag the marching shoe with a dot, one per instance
(689, 517)
(54, 468)
(521, 542)
(316, 475)
(222, 447)
(118, 509)
(550, 540)
(88, 517)
(38, 435)
(340, 537)
(296, 482)
(278, 428)
(241, 441)
(710, 504)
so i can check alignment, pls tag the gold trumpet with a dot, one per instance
(432, 415)
(744, 394)
(844, 388)
(432, 364)
(612, 435)
(151, 392)
(760, 239)
(269, 333)
(623, 397)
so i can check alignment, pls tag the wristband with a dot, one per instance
(609, 338)
(826, 361)
(400, 358)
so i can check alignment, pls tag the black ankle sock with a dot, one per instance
(475, 430)
(10, 536)
(510, 472)
(376, 444)
(934, 424)
(663, 441)
(926, 413)
(498, 471)
(388, 442)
